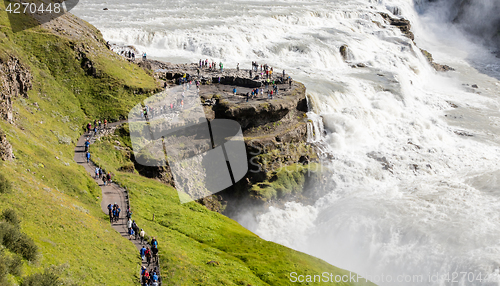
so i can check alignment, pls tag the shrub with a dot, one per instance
(26, 247)
(10, 235)
(15, 265)
(2, 231)
(5, 185)
(48, 278)
(4, 270)
(18, 242)
(10, 216)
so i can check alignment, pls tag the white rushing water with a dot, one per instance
(411, 196)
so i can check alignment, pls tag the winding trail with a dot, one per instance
(111, 193)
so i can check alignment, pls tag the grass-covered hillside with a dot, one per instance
(56, 201)
(74, 79)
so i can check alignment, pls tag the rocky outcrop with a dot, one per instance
(405, 27)
(403, 24)
(258, 113)
(436, 66)
(6, 153)
(86, 63)
(15, 81)
(345, 53)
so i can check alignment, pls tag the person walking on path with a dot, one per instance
(87, 144)
(148, 256)
(110, 211)
(234, 91)
(130, 233)
(118, 210)
(129, 225)
(154, 242)
(142, 252)
(154, 250)
(87, 155)
(114, 214)
(142, 234)
(154, 278)
(135, 228)
(145, 279)
(96, 172)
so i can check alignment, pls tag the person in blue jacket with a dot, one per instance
(87, 144)
(87, 155)
(143, 252)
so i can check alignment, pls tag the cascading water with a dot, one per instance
(414, 194)
(315, 128)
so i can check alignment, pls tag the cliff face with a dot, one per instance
(15, 81)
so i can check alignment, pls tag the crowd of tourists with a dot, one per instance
(98, 126)
(148, 252)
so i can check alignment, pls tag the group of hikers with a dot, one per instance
(100, 173)
(128, 54)
(98, 125)
(114, 212)
(149, 278)
(149, 112)
(147, 253)
(212, 66)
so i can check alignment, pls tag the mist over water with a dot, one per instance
(411, 195)
(479, 18)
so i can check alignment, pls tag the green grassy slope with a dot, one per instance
(57, 201)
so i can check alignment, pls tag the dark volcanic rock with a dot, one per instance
(346, 53)
(403, 24)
